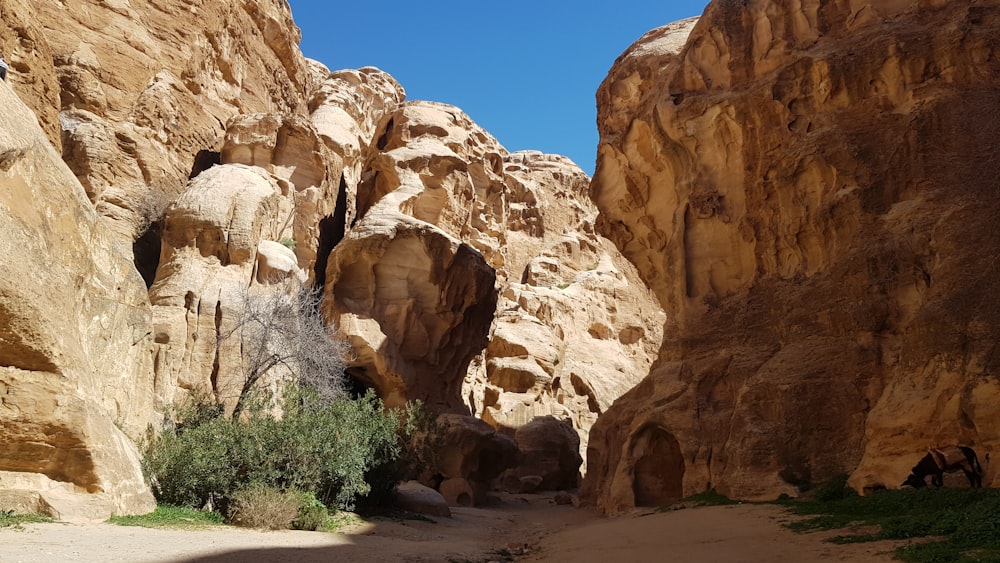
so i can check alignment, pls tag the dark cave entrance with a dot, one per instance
(659, 468)
(204, 160)
(331, 231)
(357, 382)
(146, 252)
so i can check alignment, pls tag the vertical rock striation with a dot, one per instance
(809, 188)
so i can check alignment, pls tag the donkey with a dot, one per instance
(946, 459)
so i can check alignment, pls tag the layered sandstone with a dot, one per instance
(137, 94)
(76, 382)
(464, 275)
(138, 97)
(808, 188)
(473, 279)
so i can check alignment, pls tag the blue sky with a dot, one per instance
(525, 71)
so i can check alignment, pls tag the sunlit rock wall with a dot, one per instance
(810, 189)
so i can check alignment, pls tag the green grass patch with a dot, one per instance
(8, 519)
(955, 525)
(339, 522)
(710, 497)
(169, 516)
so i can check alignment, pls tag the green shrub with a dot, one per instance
(260, 506)
(341, 451)
(312, 513)
(959, 524)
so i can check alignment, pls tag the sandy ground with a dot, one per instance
(522, 528)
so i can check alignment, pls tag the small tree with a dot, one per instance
(279, 332)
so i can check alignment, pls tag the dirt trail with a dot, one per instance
(525, 528)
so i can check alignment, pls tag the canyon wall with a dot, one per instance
(76, 381)
(810, 190)
(205, 160)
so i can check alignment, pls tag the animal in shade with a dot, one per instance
(946, 459)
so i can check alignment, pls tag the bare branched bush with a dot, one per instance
(278, 334)
(260, 506)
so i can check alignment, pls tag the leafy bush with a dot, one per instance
(260, 506)
(312, 513)
(341, 451)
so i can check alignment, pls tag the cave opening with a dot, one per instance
(146, 251)
(331, 231)
(659, 468)
(204, 160)
(357, 382)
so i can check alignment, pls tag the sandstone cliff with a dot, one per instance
(809, 188)
(75, 372)
(472, 279)
(197, 134)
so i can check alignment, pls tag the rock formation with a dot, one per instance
(472, 279)
(809, 188)
(137, 95)
(464, 275)
(76, 381)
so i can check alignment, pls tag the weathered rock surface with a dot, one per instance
(346, 110)
(421, 499)
(75, 339)
(137, 93)
(211, 254)
(573, 327)
(469, 456)
(809, 189)
(464, 275)
(549, 452)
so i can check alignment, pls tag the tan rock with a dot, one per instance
(527, 214)
(468, 456)
(550, 450)
(805, 188)
(215, 243)
(75, 371)
(140, 96)
(346, 110)
(414, 497)
(308, 174)
(415, 304)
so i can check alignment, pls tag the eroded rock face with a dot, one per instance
(549, 456)
(211, 253)
(415, 304)
(346, 110)
(75, 373)
(573, 327)
(470, 455)
(808, 188)
(137, 94)
(466, 276)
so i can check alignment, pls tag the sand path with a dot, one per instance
(523, 528)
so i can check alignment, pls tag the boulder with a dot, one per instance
(550, 449)
(415, 497)
(468, 457)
